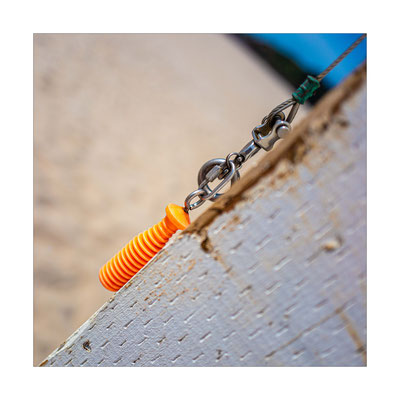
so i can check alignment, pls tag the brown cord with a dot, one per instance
(290, 102)
(341, 57)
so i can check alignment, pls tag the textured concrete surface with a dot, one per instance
(276, 278)
(122, 123)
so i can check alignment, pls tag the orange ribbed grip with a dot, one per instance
(142, 248)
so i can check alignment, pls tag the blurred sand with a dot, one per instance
(122, 123)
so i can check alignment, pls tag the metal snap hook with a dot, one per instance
(210, 171)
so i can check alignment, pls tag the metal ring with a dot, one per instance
(238, 161)
(207, 167)
(198, 203)
(230, 155)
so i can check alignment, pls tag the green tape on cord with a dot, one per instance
(306, 89)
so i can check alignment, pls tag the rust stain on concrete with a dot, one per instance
(352, 331)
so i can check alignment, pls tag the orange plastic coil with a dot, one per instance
(142, 248)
